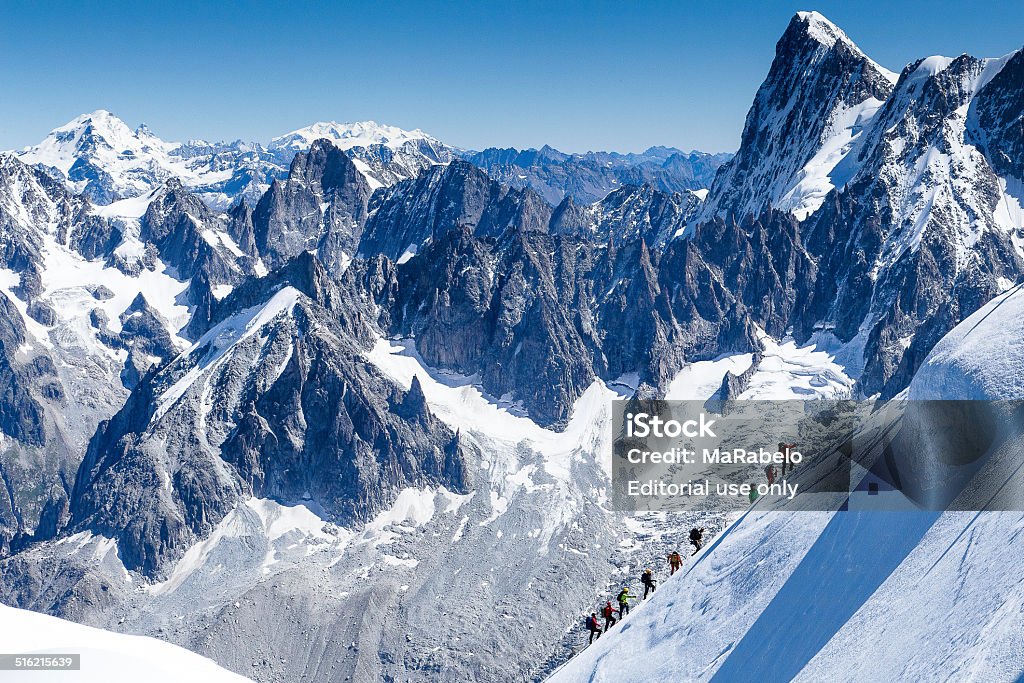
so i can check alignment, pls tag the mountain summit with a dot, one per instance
(819, 94)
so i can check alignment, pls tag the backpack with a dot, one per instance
(695, 534)
(591, 623)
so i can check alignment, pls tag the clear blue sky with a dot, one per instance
(599, 75)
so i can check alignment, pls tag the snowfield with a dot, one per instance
(982, 358)
(106, 657)
(786, 372)
(852, 596)
(502, 428)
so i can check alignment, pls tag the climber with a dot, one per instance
(675, 561)
(623, 599)
(608, 612)
(697, 539)
(769, 472)
(787, 463)
(593, 627)
(647, 579)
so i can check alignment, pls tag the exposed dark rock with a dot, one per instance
(42, 313)
(321, 207)
(628, 214)
(733, 385)
(817, 74)
(21, 415)
(294, 413)
(443, 198)
(102, 293)
(191, 238)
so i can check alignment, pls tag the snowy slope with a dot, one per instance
(787, 371)
(459, 402)
(854, 596)
(923, 155)
(104, 137)
(205, 357)
(685, 630)
(86, 297)
(106, 657)
(982, 358)
(848, 596)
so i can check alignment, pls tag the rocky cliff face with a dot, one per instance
(902, 226)
(628, 214)
(321, 207)
(820, 92)
(193, 239)
(274, 400)
(50, 397)
(930, 237)
(407, 215)
(538, 316)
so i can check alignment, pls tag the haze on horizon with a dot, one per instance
(591, 76)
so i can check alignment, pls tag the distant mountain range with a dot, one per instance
(99, 156)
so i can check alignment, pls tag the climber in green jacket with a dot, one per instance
(623, 599)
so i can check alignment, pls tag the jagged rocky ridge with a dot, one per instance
(275, 400)
(907, 225)
(540, 316)
(321, 207)
(628, 213)
(413, 212)
(820, 91)
(911, 231)
(931, 232)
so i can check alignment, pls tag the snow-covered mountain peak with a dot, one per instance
(820, 94)
(821, 29)
(980, 72)
(349, 135)
(384, 154)
(100, 156)
(818, 28)
(96, 134)
(931, 66)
